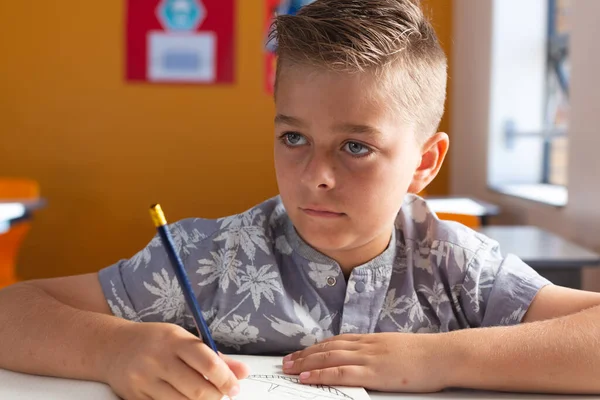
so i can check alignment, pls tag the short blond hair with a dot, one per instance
(391, 38)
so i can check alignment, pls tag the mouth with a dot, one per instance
(321, 212)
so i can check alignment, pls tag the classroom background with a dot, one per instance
(522, 115)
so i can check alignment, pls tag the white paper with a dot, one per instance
(182, 57)
(268, 382)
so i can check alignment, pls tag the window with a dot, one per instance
(529, 99)
(557, 95)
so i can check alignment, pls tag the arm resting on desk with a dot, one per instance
(42, 332)
(556, 350)
(62, 327)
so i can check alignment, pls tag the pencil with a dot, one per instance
(158, 217)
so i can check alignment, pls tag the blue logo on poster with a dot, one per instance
(286, 7)
(291, 7)
(181, 15)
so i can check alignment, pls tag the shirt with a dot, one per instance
(263, 290)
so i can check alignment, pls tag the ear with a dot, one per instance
(433, 152)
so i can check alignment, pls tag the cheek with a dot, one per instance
(381, 186)
(285, 170)
(283, 161)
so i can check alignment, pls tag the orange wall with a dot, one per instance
(440, 12)
(103, 149)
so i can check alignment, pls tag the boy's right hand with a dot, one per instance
(161, 361)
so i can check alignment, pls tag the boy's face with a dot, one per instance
(344, 161)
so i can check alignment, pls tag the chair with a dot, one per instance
(471, 221)
(10, 241)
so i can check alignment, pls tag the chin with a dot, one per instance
(324, 238)
(326, 244)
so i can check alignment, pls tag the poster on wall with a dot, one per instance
(274, 8)
(180, 41)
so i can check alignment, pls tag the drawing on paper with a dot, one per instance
(282, 386)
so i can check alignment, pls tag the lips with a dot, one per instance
(317, 211)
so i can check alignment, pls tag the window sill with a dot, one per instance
(552, 195)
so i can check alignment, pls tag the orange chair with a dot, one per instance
(471, 221)
(10, 242)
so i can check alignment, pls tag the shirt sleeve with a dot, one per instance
(498, 290)
(144, 288)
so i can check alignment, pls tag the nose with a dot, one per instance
(319, 173)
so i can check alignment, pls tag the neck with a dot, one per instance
(348, 259)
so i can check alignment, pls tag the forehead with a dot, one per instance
(305, 92)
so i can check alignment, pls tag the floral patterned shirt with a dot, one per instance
(263, 290)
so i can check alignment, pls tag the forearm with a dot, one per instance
(40, 335)
(561, 355)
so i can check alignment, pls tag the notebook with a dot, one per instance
(268, 382)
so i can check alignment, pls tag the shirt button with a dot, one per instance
(331, 280)
(359, 287)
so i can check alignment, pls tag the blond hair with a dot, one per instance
(391, 38)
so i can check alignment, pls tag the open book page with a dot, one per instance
(268, 382)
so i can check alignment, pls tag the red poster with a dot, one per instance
(270, 59)
(273, 8)
(180, 41)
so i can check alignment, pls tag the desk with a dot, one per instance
(14, 211)
(557, 259)
(463, 205)
(15, 386)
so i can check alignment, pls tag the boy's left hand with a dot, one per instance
(401, 362)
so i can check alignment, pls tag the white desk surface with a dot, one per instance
(13, 209)
(462, 205)
(540, 248)
(16, 386)
(8, 212)
(459, 205)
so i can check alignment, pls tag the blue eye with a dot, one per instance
(357, 149)
(293, 139)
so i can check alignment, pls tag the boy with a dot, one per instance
(356, 281)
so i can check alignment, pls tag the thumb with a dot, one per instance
(239, 369)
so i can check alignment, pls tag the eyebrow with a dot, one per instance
(343, 128)
(358, 129)
(287, 120)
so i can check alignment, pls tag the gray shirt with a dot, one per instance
(263, 290)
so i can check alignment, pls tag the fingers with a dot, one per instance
(207, 363)
(188, 382)
(348, 337)
(164, 391)
(239, 369)
(322, 347)
(322, 360)
(347, 375)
